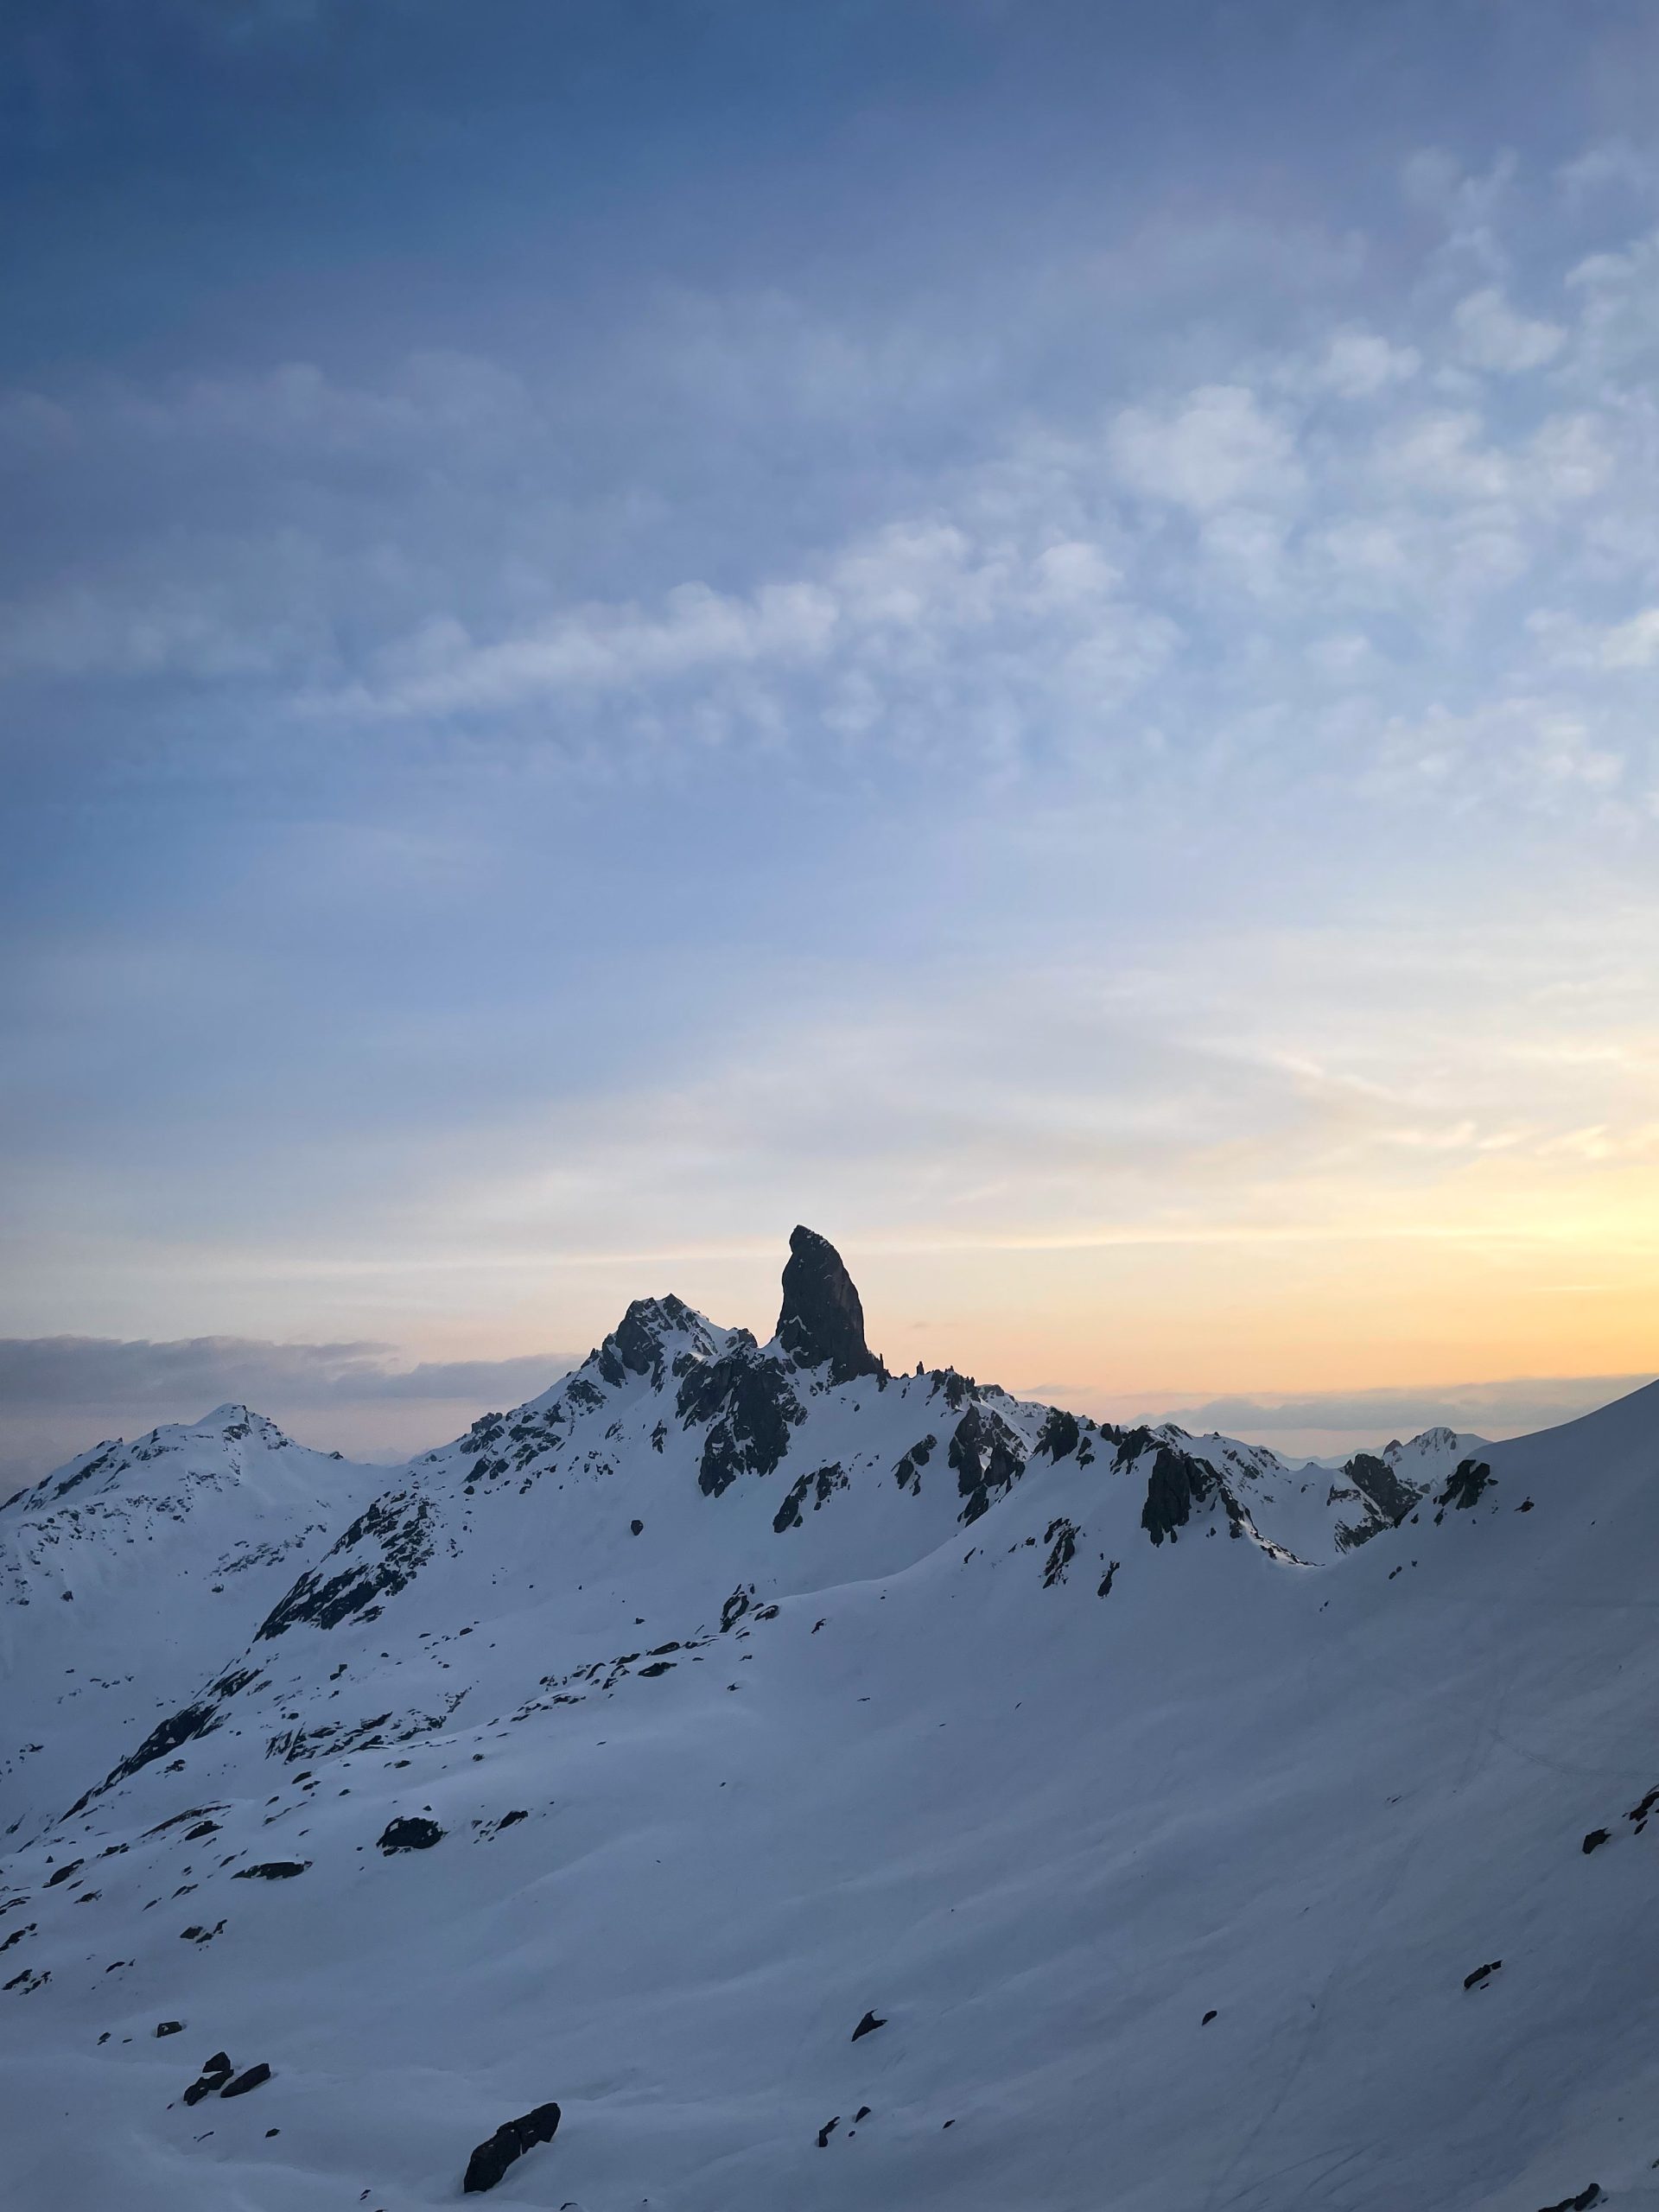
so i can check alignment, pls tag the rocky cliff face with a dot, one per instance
(821, 1322)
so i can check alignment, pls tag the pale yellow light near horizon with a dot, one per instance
(1506, 1271)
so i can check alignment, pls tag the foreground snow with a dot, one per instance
(843, 1727)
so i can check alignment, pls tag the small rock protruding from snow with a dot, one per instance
(243, 2083)
(408, 1834)
(211, 2079)
(508, 2144)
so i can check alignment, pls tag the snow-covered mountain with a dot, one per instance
(118, 1572)
(830, 1788)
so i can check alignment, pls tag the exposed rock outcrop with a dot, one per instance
(508, 2144)
(822, 1321)
(410, 1834)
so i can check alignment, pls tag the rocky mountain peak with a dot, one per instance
(822, 1321)
(636, 1344)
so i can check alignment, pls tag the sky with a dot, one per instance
(1026, 633)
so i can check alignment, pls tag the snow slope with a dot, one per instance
(120, 1571)
(1039, 1741)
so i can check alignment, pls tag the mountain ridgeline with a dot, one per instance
(744, 1775)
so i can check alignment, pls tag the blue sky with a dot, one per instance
(1027, 632)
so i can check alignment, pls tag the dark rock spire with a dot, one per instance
(821, 1323)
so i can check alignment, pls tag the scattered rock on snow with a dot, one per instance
(867, 2026)
(1480, 1973)
(1594, 1840)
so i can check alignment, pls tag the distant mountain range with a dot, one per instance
(820, 1787)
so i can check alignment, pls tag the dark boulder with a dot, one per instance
(1581, 2202)
(1594, 1840)
(271, 1870)
(867, 2026)
(243, 2083)
(170, 2027)
(822, 1320)
(510, 2142)
(1481, 1973)
(214, 2076)
(415, 1834)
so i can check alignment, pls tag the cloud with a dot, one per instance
(1513, 1408)
(1616, 165)
(1218, 448)
(1490, 334)
(948, 631)
(1470, 204)
(1359, 364)
(198, 1372)
(1634, 644)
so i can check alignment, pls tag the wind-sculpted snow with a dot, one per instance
(1155, 1824)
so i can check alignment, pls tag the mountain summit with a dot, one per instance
(742, 1777)
(822, 1321)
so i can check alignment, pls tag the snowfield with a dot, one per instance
(1155, 1798)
